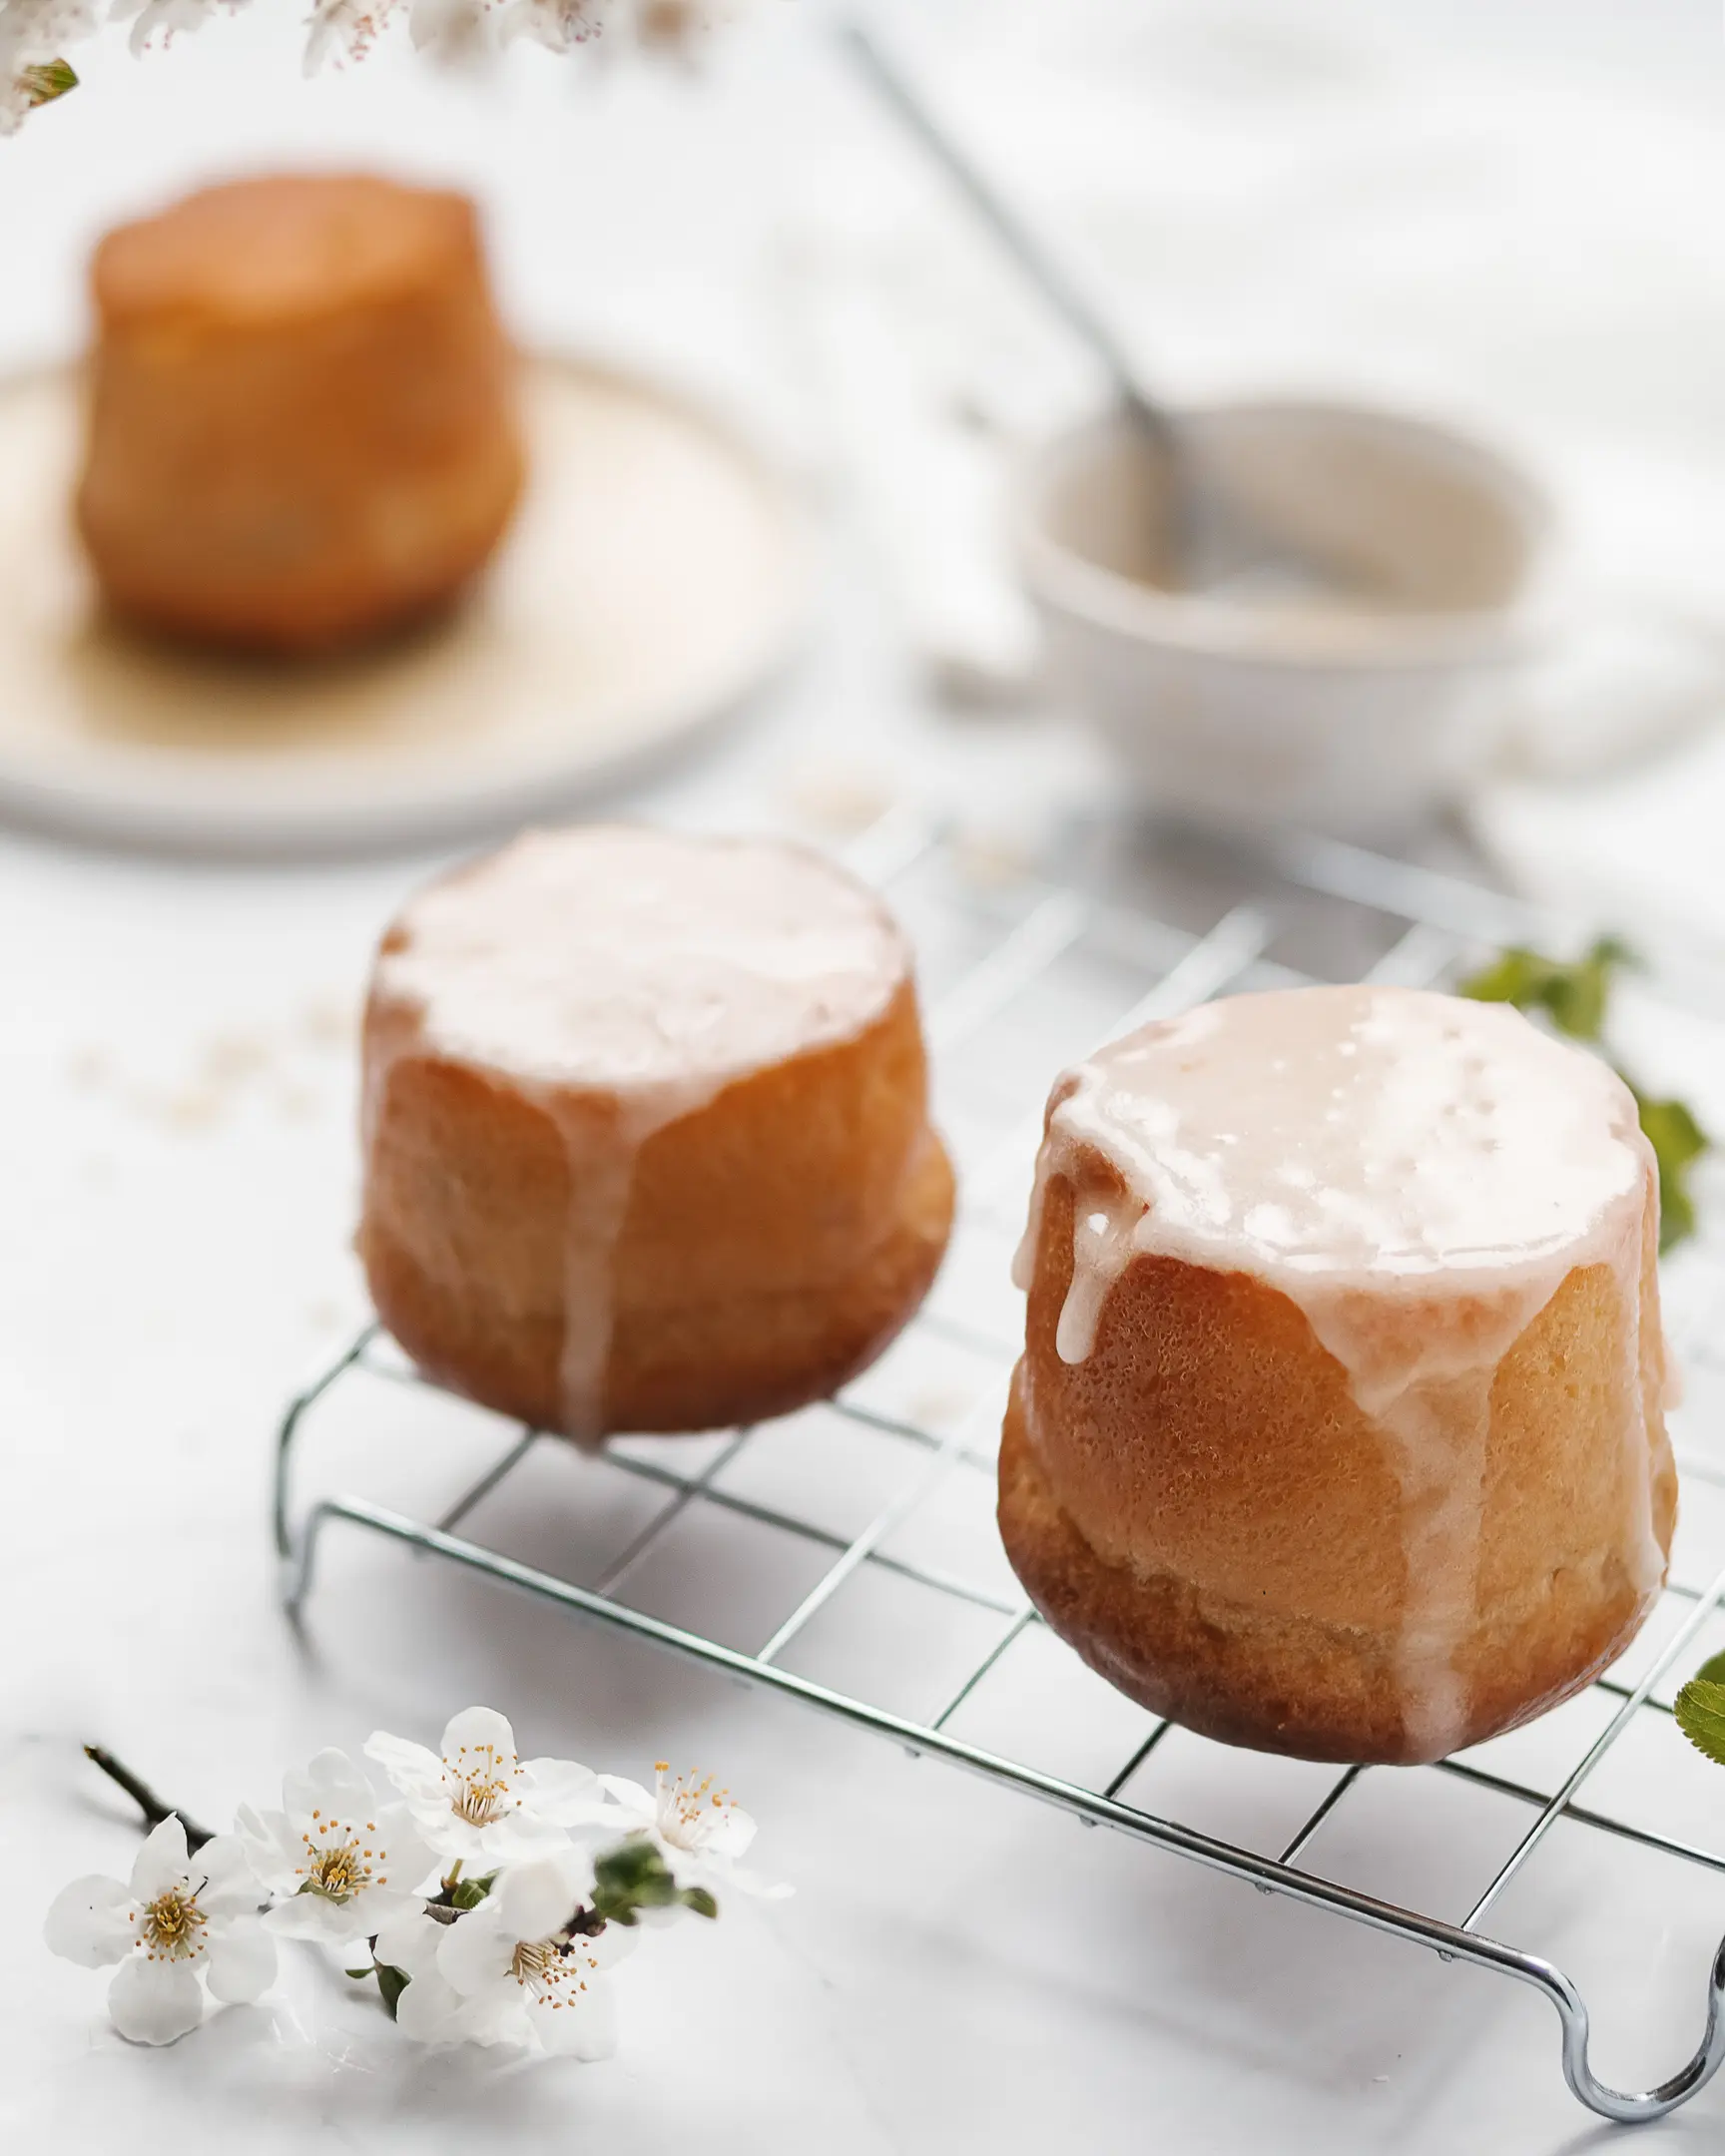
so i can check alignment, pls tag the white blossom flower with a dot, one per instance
(477, 1801)
(163, 19)
(653, 26)
(510, 1970)
(558, 25)
(343, 30)
(344, 1863)
(179, 1916)
(37, 30)
(450, 29)
(700, 1830)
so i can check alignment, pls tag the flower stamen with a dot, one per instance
(548, 1968)
(171, 1927)
(338, 1868)
(691, 1811)
(484, 1786)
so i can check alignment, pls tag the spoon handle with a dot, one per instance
(1032, 257)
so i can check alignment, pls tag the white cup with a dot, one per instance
(1356, 721)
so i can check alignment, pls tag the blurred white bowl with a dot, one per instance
(1229, 705)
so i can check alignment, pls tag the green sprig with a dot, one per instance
(635, 1877)
(48, 80)
(1577, 998)
(1700, 1710)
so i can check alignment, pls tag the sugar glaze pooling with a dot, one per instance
(1418, 1175)
(621, 978)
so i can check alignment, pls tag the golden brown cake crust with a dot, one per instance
(301, 428)
(1201, 1508)
(736, 1297)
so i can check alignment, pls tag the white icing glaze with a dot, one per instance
(1419, 1174)
(621, 978)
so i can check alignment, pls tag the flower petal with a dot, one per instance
(640, 1804)
(229, 1882)
(477, 1729)
(160, 1864)
(403, 1849)
(476, 1950)
(316, 1917)
(498, 2015)
(615, 1944)
(383, 1907)
(430, 2010)
(733, 1833)
(536, 1900)
(266, 1834)
(415, 1772)
(242, 1963)
(518, 1837)
(330, 1783)
(409, 1941)
(452, 1840)
(152, 2002)
(562, 1790)
(583, 2027)
(90, 1922)
(737, 1878)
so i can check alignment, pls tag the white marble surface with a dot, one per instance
(1517, 221)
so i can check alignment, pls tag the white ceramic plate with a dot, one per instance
(653, 576)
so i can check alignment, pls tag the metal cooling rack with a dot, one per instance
(1021, 973)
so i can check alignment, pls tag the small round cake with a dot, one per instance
(1339, 1426)
(646, 1128)
(302, 428)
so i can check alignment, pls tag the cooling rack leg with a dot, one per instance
(298, 1409)
(1626, 2110)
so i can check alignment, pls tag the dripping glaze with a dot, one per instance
(1418, 1175)
(621, 978)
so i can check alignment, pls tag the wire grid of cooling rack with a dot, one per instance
(1007, 956)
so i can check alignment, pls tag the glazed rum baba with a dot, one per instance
(1339, 1426)
(646, 1131)
(302, 427)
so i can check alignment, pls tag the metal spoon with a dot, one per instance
(1212, 545)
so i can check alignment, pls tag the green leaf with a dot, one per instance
(469, 1892)
(1700, 1711)
(44, 82)
(1677, 1140)
(1712, 1670)
(1573, 996)
(630, 1877)
(391, 1983)
(363, 1975)
(634, 1875)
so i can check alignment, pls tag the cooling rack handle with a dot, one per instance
(1611, 2103)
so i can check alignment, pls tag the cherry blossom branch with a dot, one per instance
(145, 1798)
(492, 1895)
